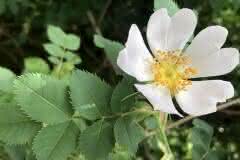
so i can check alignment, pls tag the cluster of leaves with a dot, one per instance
(58, 113)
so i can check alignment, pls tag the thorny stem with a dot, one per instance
(188, 118)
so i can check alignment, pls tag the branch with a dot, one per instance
(93, 22)
(104, 11)
(188, 118)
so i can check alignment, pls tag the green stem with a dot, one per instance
(76, 115)
(162, 138)
(60, 66)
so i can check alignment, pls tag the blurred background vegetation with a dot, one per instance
(23, 26)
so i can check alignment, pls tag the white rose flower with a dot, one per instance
(171, 68)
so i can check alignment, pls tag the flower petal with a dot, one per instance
(181, 29)
(208, 41)
(202, 96)
(168, 34)
(157, 29)
(158, 96)
(135, 58)
(219, 63)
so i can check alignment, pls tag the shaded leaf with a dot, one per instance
(15, 127)
(55, 142)
(201, 138)
(128, 134)
(111, 48)
(123, 98)
(87, 88)
(96, 142)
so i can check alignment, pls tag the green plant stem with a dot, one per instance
(121, 114)
(60, 66)
(162, 137)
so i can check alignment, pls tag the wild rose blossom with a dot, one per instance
(170, 71)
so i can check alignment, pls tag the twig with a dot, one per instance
(104, 11)
(231, 112)
(93, 22)
(188, 118)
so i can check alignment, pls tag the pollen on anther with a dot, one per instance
(172, 69)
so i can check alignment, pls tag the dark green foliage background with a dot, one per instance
(23, 31)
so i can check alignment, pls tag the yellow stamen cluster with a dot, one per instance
(172, 69)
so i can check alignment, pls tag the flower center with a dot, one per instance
(172, 69)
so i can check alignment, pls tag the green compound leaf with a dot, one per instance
(96, 142)
(56, 142)
(171, 6)
(72, 57)
(15, 127)
(201, 138)
(68, 41)
(123, 97)
(44, 99)
(35, 65)
(87, 88)
(54, 60)
(56, 35)
(6, 79)
(111, 48)
(128, 134)
(54, 50)
(72, 42)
